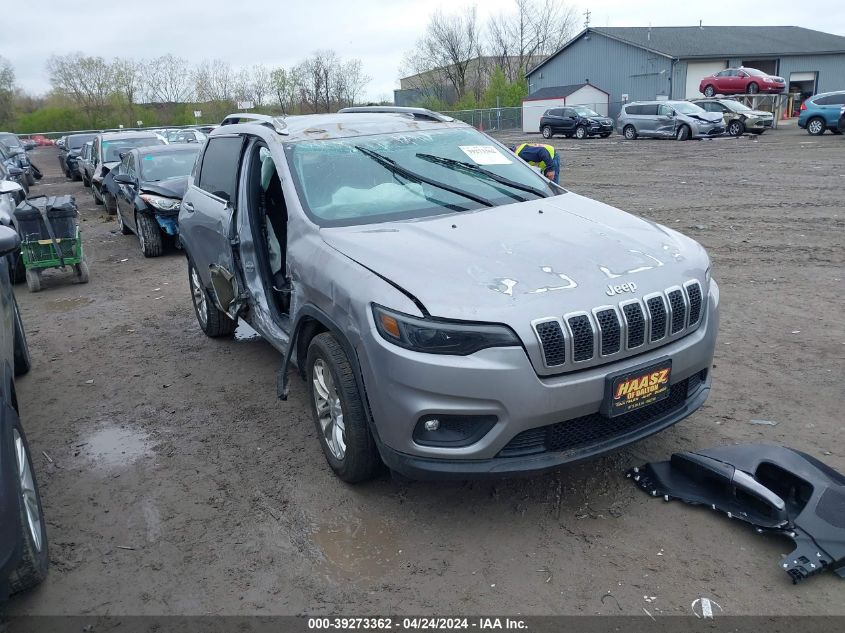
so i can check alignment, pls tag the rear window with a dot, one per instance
(219, 171)
(836, 99)
(78, 140)
(112, 149)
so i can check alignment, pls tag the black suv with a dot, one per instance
(69, 154)
(577, 121)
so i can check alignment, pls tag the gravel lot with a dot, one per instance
(179, 484)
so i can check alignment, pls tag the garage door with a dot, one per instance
(696, 71)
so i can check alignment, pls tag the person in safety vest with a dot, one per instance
(542, 156)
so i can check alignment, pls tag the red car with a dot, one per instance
(740, 81)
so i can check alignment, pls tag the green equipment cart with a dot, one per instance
(50, 238)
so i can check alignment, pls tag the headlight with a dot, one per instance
(160, 202)
(440, 337)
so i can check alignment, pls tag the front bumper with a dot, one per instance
(705, 131)
(404, 386)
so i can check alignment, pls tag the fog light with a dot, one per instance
(452, 430)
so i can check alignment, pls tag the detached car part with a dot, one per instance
(776, 489)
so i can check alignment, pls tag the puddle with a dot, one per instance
(67, 304)
(358, 547)
(245, 333)
(114, 446)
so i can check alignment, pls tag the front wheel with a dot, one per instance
(124, 230)
(815, 126)
(109, 202)
(149, 235)
(683, 133)
(630, 132)
(35, 557)
(709, 91)
(212, 321)
(580, 132)
(96, 195)
(736, 128)
(547, 132)
(338, 411)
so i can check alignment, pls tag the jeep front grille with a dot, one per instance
(609, 331)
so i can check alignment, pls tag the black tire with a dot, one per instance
(580, 132)
(753, 88)
(86, 182)
(96, 195)
(757, 132)
(605, 134)
(76, 176)
(683, 133)
(547, 132)
(629, 132)
(837, 131)
(124, 230)
(32, 569)
(736, 128)
(360, 459)
(33, 280)
(23, 360)
(212, 322)
(149, 235)
(816, 126)
(109, 202)
(17, 270)
(709, 91)
(81, 272)
(30, 179)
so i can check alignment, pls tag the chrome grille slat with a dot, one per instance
(678, 307)
(583, 337)
(610, 331)
(635, 323)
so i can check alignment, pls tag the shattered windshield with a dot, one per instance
(364, 180)
(112, 149)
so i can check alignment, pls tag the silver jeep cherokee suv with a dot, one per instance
(452, 312)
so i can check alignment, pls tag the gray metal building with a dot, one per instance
(668, 62)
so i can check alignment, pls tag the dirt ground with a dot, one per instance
(178, 484)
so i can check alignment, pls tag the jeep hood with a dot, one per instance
(525, 260)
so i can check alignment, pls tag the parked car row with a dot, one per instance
(682, 120)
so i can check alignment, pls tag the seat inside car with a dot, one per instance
(273, 217)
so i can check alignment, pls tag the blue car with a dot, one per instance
(821, 112)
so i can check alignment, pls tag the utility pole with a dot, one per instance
(587, 19)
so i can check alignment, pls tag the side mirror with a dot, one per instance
(7, 186)
(124, 179)
(9, 240)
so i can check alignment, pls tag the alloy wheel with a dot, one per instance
(28, 493)
(329, 409)
(198, 293)
(815, 126)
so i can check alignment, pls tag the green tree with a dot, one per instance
(7, 92)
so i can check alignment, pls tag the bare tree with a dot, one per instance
(286, 85)
(261, 85)
(532, 31)
(168, 80)
(128, 77)
(354, 81)
(214, 81)
(7, 91)
(86, 80)
(450, 44)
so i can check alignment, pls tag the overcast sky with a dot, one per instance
(277, 33)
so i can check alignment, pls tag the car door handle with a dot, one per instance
(188, 207)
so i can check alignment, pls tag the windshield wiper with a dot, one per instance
(480, 171)
(393, 166)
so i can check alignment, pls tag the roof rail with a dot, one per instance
(276, 123)
(421, 114)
